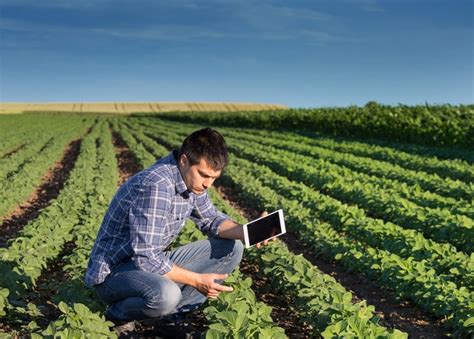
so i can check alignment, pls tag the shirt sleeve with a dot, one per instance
(206, 217)
(148, 227)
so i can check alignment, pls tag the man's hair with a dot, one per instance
(207, 144)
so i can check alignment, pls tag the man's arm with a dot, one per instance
(229, 229)
(148, 233)
(205, 215)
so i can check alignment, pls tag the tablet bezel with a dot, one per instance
(282, 224)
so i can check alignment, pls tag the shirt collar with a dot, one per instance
(180, 185)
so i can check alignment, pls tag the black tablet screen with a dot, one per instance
(264, 228)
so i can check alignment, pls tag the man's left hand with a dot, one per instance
(263, 243)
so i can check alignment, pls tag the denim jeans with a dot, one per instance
(132, 294)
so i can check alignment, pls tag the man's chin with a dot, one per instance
(199, 192)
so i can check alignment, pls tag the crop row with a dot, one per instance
(410, 279)
(361, 170)
(323, 303)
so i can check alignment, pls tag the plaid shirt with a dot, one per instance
(145, 216)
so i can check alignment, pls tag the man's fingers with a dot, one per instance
(218, 276)
(221, 288)
(264, 213)
(213, 295)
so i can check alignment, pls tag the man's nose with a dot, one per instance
(207, 183)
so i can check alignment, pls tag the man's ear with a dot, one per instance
(183, 160)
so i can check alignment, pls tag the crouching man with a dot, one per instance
(130, 266)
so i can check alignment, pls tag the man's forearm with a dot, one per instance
(183, 276)
(229, 229)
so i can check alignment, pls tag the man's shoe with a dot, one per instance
(175, 326)
(121, 327)
(124, 328)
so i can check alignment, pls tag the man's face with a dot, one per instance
(199, 177)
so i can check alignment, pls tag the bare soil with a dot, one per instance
(402, 315)
(47, 285)
(127, 162)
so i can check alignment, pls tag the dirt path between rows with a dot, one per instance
(403, 315)
(128, 164)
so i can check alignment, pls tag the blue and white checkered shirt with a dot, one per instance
(145, 216)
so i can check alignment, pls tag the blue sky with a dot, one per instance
(299, 53)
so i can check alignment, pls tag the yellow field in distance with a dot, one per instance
(135, 107)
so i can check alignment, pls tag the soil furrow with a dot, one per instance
(128, 164)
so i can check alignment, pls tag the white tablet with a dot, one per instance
(264, 228)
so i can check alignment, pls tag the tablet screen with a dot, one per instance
(265, 228)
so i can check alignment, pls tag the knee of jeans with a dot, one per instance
(164, 299)
(238, 251)
(236, 255)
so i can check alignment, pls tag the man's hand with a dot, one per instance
(203, 282)
(206, 285)
(263, 243)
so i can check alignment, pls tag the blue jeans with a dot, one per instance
(133, 294)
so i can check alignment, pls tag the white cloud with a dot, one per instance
(164, 32)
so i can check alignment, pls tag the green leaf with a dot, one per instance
(213, 334)
(63, 307)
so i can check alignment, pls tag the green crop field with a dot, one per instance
(379, 193)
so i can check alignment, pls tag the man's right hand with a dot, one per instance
(203, 282)
(206, 284)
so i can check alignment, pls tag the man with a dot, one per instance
(131, 268)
